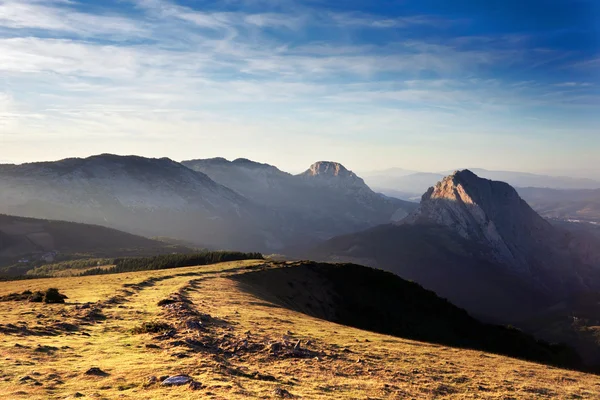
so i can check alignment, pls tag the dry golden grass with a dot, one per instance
(348, 363)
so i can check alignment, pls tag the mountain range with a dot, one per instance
(408, 184)
(211, 203)
(576, 205)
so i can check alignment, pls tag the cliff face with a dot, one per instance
(489, 212)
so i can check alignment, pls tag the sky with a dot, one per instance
(423, 85)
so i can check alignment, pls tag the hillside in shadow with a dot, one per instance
(382, 302)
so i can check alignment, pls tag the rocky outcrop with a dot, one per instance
(492, 214)
(489, 212)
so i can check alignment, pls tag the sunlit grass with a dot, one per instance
(354, 364)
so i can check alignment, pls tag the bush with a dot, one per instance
(53, 296)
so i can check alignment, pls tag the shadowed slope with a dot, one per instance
(379, 301)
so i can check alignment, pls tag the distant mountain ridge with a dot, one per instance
(410, 183)
(213, 203)
(151, 197)
(579, 205)
(324, 201)
(28, 240)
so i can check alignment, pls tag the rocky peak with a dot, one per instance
(335, 175)
(328, 169)
(489, 212)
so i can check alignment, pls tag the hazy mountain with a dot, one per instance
(29, 240)
(522, 179)
(267, 210)
(390, 172)
(581, 205)
(477, 243)
(392, 182)
(324, 201)
(151, 197)
(410, 185)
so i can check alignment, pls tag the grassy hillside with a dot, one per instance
(383, 302)
(29, 240)
(120, 335)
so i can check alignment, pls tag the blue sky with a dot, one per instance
(426, 85)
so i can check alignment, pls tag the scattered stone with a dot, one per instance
(95, 371)
(152, 346)
(26, 378)
(45, 349)
(152, 327)
(152, 380)
(36, 297)
(78, 395)
(194, 324)
(167, 335)
(195, 385)
(280, 392)
(275, 348)
(177, 380)
(165, 302)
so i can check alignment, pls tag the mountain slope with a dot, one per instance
(379, 301)
(325, 201)
(581, 205)
(477, 243)
(151, 197)
(236, 344)
(28, 238)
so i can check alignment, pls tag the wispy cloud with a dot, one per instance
(58, 16)
(226, 73)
